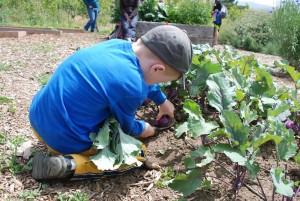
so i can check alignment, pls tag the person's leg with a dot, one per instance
(94, 23)
(125, 27)
(86, 169)
(131, 29)
(216, 34)
(73, 166)
(91, 20)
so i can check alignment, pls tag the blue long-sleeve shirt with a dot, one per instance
(88, 87)
(93, 3)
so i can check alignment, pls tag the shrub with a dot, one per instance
(250, 32)
(48, 13)
(192, 12)
(285, 27)
(151, 11)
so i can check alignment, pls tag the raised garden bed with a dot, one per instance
(197, 34)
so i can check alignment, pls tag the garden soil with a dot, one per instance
(24, 61)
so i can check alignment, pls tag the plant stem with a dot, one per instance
(296, 194)
(261, 188)
(188, 142)
(246, 185)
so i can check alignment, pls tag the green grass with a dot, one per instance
(4, 99)
(8, 159)
(6, 66)
(44, 78)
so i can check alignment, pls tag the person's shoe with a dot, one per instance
(46, 167)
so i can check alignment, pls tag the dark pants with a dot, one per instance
(129, 28)
(93, 13)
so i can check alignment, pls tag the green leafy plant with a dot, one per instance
(115, 148)
(152, 11)
(285, 31)
(191, 12)
(165, 178)
(247, 110)
(251, 31)
(8, 159)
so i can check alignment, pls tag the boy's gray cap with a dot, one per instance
(172, 45)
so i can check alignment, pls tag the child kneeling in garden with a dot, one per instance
(109, 80)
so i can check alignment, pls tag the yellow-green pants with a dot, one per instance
(86, 169)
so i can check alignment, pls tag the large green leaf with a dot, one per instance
(246, 62)
(203, 151)
(200, 127)
(129, 143)
(263, 84)
(263, 138)
(293, 73)
(281, 112)
(101, 140)
(247, 114)
(199, 82)
(183, 128)
(195, 125)
(187, 183)
(287, 148)
(234, 154)
(192, 108)
(233, 126)
(104, 160)
(241, 81)
(251, 165)
(282, 186)
(297, 158)
(219, 132)
(220, 95)
(120, 149)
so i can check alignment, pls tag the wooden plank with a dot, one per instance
(12, 34)
(197, 34)
(72, 30)
(31, 30)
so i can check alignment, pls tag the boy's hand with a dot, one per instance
(148, 132)
(167, 108)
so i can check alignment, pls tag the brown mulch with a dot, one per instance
(23, 61)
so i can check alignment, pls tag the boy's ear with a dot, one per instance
(157, 67)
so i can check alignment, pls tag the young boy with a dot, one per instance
(110, 79)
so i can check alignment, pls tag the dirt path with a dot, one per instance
(22, 63)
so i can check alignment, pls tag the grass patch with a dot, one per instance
(4, 99)
(6, 66)
(8, 159)
(44, 78)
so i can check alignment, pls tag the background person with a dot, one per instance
(216, 14)
(129, 18)
(93, 8)
(110, 79)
